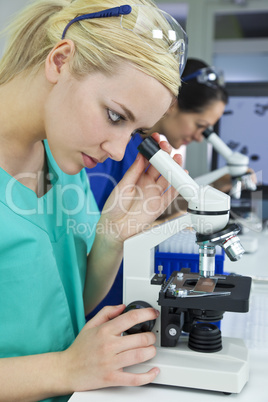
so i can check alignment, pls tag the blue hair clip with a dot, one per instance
(110, 12)
(192, 76)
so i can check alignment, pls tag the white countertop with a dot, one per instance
(252, 327)
(251, 264)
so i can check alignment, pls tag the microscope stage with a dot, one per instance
(237, 286)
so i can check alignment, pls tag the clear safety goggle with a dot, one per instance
(161, 32)
(208, 76)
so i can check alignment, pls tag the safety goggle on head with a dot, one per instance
(208, 76)
(162, 32)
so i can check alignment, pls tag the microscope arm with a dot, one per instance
(217, 143)
(235, 160)
(141, 264)
(237, 163)
(211, 177)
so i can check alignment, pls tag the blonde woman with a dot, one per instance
(76, 81)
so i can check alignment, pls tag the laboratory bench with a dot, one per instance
(252, 327)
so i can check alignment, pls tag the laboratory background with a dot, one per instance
(231, 35)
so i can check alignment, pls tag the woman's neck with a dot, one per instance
(22, 128)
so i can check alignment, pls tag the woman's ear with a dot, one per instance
(58, 58)
(173, 108)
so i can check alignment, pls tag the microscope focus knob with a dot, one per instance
(145, 326)
(173, 332)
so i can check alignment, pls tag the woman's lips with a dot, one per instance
(89, 162)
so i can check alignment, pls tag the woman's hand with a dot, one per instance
(139, 198)
(98, 355)
(95, 360)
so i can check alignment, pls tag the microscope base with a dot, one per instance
(224, 371)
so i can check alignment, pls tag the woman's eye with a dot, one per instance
(115, 117)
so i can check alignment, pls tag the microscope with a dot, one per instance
(190, 349)
(236, 166)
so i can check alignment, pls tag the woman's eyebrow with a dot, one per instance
(129, 114)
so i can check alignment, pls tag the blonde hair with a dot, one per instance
(100, 44)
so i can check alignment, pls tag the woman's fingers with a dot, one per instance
(135, 341)
(121, 378)
(156, 136)
(133, 317)
(134, 356)
(178, 158)
(106, 314)
(165, 146)
(133, 173)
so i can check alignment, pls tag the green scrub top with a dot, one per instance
(43, 256)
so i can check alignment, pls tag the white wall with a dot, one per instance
(7, 9)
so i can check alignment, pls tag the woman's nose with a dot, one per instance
(116, 149)
(198, 136)
(118, 154)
